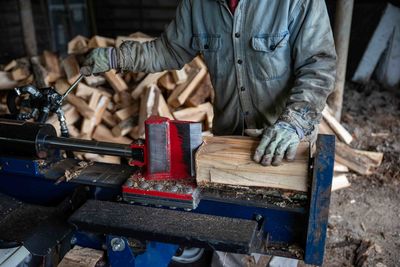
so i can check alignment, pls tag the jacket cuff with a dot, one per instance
(113, 58)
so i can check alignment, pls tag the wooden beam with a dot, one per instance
(151, 78)
(228, 161)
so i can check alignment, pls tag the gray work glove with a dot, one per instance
(279, 140)
(99, 60)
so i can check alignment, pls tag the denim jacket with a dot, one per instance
(270, 60)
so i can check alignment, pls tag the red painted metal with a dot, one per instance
(162, 194)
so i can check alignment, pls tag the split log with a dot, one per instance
(41, 75)
(124, 127)
(183, 91)
(108, 119)
(84, 91)
(127, 112)
(179, 76)
(148, 107)
(339, 181)
(81, 106)
(61, 86)
(201, 94)
(103, 134)
(115, 80)
(150, 79)
(52, 64)
(163, 109)
(88, 124)
(196, 114)
(94, 81)
(337, 167)
(100, 41)
(6, 81)
(78, 45)
(167, 82)
(340, 131)
(228, 161)
(20, 73)
(71, 67)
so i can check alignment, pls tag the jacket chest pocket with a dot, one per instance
(209, 45)
(270, 55)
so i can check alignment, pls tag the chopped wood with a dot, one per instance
(163, 109)
(127, 112)
(339, 181)
(88, 124)
(61, 86)
(179, 96)
(202, 93)
(11, 65)
(225, 160)
(357, 162)
(375, 157)
(78, 45)
(167, 82)
(84, 91)
(94, 80)
(103, 158)
(179, 76)
(103, 134)
(115, 80)
(40, 73)
(337, 167)
(108, 119)
(124, 127)
(196, 114)
(81, 257)
(151, 78)
(81, 106)
(6, 81)
(124, 100)
(323, 128)
(20, 73)
(71, 68)
(100, 41)
(52, 64)
(340, 131)
(148, 106)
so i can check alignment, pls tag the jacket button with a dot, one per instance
(240, 61)
(242, 89)
(237, 35)
(206, 46)
(272, 47)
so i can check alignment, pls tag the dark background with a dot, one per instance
(57, 21)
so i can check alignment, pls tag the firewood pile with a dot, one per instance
(113, 107)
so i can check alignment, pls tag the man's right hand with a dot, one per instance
(98, 61)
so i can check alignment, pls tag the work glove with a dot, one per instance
(99, 60)
(278, 141)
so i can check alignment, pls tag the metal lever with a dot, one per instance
(71, 88)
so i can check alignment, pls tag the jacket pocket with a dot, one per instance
(209, 46)
(270, 55)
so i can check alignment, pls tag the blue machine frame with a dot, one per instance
(293, 232)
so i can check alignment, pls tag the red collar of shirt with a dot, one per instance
(233, 4)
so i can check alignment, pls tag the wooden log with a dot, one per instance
(167, 82)
(52, 64)
(151, 78)
(124, 127)
(81, 106)
(163, 109)
(108, 119)
(228, 161)
(179, 96)
(200, 95)
(6, 81)
(196, 114)
(148, 106)
(81, 257)
(179, 76)
(71, 68)
(339, 181)
(127, 112)
(115, 80)
(100, 41)
(340, 131)
(78, 45)
(102, 133)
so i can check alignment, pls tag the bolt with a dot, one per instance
(174, 189)
(144, 185)
(189, 190)
(258, 217)
(129, 183)
(158, 187)
(117, 244)
(74, 240)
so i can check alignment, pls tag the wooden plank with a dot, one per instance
(151, 78)
(71, 67)
(81, 106)
(226, 160)
(340, 131)
(20, 73)
(6, 82)
(81, 257)
(115, 80)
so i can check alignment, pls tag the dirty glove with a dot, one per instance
(100, 60)
(277, 141)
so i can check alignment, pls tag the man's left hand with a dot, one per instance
(277, 141)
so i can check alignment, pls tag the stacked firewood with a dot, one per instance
(113, 107)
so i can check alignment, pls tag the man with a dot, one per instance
(272, 64)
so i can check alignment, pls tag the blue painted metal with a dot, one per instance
(156, 254)
(320, 200)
